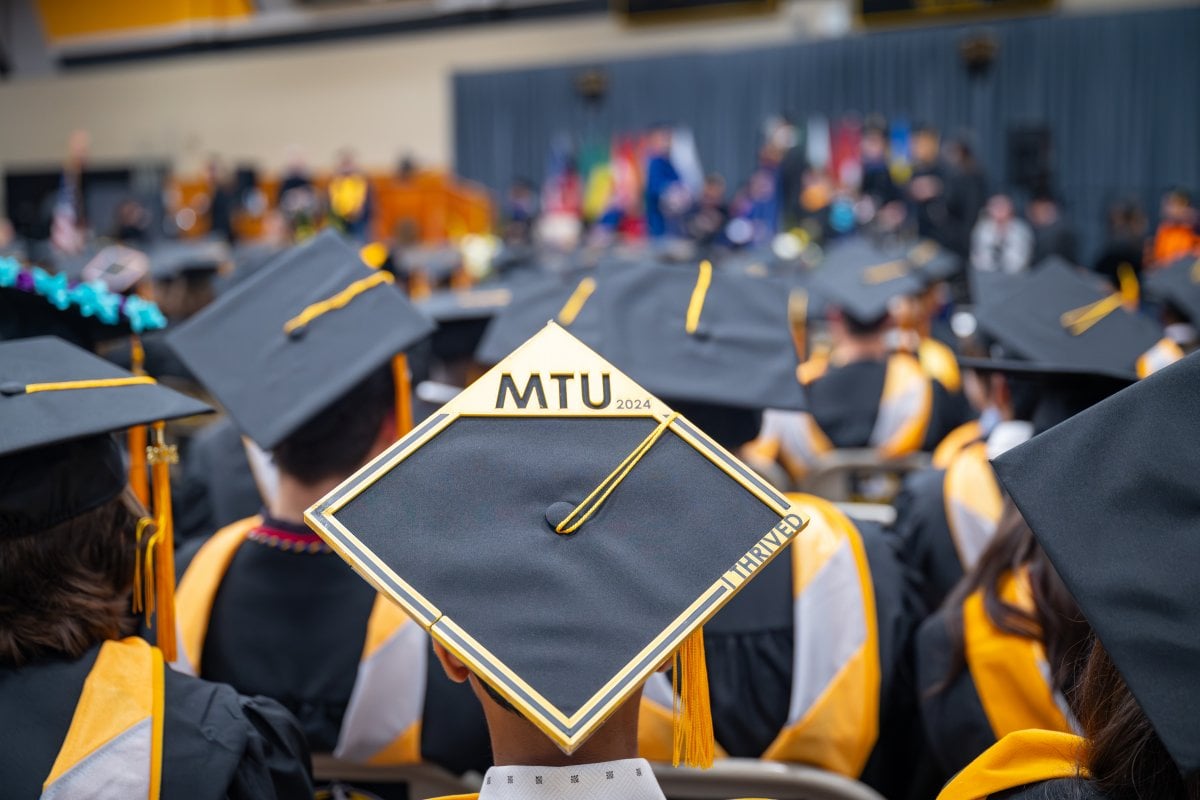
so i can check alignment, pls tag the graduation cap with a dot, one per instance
(1123, 535)
(933, 262)
(1178, 283)
(600, 530)
(57, 461)
(862, 280)
(289, 341)
(188, 258)
(118, 266)
(702, 335)
(1058, 321)
(570, 302)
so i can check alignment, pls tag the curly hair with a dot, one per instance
(65, 589)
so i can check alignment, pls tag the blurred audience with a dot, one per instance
(1001, 241)
(1052, 234)
(1177, 235)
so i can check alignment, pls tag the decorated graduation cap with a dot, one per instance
(1178, 283)
(599, 532)
(34, 302)
(118, 266)
(286, 343)
(1126, 540)
(1058, 321)
(862, 280)
(57, 461)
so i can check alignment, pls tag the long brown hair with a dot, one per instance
(1055, 619)
(1126, 758)
(67, 588)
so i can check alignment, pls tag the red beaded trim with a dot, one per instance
(288, 541)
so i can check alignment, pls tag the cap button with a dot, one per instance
(558, 512)
(11, 388)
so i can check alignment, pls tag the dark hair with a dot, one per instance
(65, 589)
(337, 440)
(1056, 620)
(1126, 758)
(857, 327)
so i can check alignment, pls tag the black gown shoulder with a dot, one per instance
(1059, 789)
(926, 543)
(845, 401)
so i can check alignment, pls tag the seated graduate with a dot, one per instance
(1040, 367)
(87, 712)
(1122, 534)
(308, 360)
(617, 530)
(859, 394)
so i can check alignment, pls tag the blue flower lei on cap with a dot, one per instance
(89, 298)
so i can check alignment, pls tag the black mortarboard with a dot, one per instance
(1178, 283)
(59, 403)
(862, 280)
(1124, 534)
(701, 335)
(282, 345)
(933, 262)
(599, 532)
(989, 286)
(185, 258)
(1060, 321)
(571, 303)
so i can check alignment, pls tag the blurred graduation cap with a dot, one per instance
(59, 404)
(600, 531)
(437, 264)
(188, 259)
(1123, 535)
(284, 344)
(1178, 283)
(1059, 321)
(118, 266)
(932, 262)
(862, 280)
(536, 302)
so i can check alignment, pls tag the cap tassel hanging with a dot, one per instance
(159, 574)
(138, 479)
(403, 382)
(692, 714)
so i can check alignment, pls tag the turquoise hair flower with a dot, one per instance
(10, 268)
(143, 315)
(95, 300)
(52, 287)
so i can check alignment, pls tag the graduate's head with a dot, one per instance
(344, 435)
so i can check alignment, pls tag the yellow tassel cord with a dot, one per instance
(1080, 320)
(696, 304)
(692, 713)
(159, 571)
(798, 316)
(1196, 271)
(139, 481)
(576, 301)
(882, 273)
(403, 381)
(339, 300)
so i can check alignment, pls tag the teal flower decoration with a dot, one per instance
(53, 288)
(143, 315)
(10, 268)
(95, 300)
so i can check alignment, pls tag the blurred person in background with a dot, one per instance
(877, 184)
(131, 221)
(1052, 234)
(966, 193)
(520, 212)
(1001, 241)
(297, 197)
(68, 216)
(349, 198)
(221, 201)
(708, 217)
(926, 189)
(662, 183)
(1126, 242)
(1176, 235)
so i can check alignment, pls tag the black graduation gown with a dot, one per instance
(216, 743)
(845, 403)
(749, 646)
(292, 625)
(216, 487)
(956, 726)
(1059, 789)
(927, 543)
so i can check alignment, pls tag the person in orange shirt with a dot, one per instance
(1177, 235)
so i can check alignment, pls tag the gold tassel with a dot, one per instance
(138, 480)
(692, 713)
(142, 581)
(403, 381)
(160, 551)
(1128, 286)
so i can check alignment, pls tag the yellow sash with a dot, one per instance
(973, 502)
(833, 717)
(382, 724)
(113, 748)
(939, 363)
(1010, 672)
(1019, 759)
(347, 194)
(957, 439)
